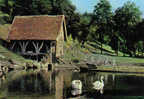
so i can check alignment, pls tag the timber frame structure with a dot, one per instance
(36, 36)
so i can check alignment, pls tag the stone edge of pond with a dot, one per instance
(123, 69)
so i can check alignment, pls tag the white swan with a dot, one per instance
(98, 85)
(76, 87)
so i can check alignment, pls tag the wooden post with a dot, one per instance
(53, 51)
(47, 49)
(13, 45)
(37, 48)
(65, 30)
(23, 46)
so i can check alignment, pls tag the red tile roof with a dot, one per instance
(42, 27)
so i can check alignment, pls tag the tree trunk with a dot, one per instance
(101, 47)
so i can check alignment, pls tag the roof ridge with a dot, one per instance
(39, 16)
(45, 27)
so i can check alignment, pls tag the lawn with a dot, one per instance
(4, 30)
(10, 55)
(108, 52)
(120, 59)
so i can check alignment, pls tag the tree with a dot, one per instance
(140, 47)
(42, 7)
(7, 7)
(3, 16)
(126, 18)
(84, 29)
(36, 7)
(139, 34)
(139, 30)
(102, 15)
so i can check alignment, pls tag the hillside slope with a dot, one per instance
(5, 54)
(91, 52)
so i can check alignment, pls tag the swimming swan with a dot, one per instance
(98, 85)
(76, 87)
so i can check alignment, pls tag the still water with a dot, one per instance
(57, 85)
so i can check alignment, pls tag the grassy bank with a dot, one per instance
(130, 60)
(90, 50)
(108, 61)
(108, 52)
(5, 54)
(75, 52)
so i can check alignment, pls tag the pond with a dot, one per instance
(57, 85)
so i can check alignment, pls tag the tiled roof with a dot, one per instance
(42, 27)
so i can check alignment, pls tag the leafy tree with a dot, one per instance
(42, 7)
(36, 7)
(126, 18)
(140, 47)
(139, 30)
(139, 34)
(3, 16)
(84, 29)
(102, 15)
(7, 7)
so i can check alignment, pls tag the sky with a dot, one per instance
(88, 5)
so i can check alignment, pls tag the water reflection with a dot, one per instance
(58, 85)
(115, 84)
(29, 84)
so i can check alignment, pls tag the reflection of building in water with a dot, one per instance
(27, 82)
(59, 85)
(2, 79)
(113, 77)
(47, 76)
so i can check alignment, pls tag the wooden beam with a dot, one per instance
(53, 51)
(47, 49)
(13, 45)
(53, 43)
(26, 44)
(23, 46)
(37, 48)
(41, 46)
(65, 30)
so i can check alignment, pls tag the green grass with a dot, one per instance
(108, 52)
(105, 48)
(120, 59)
(74, 51)
(10, 55)
(4, 30)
